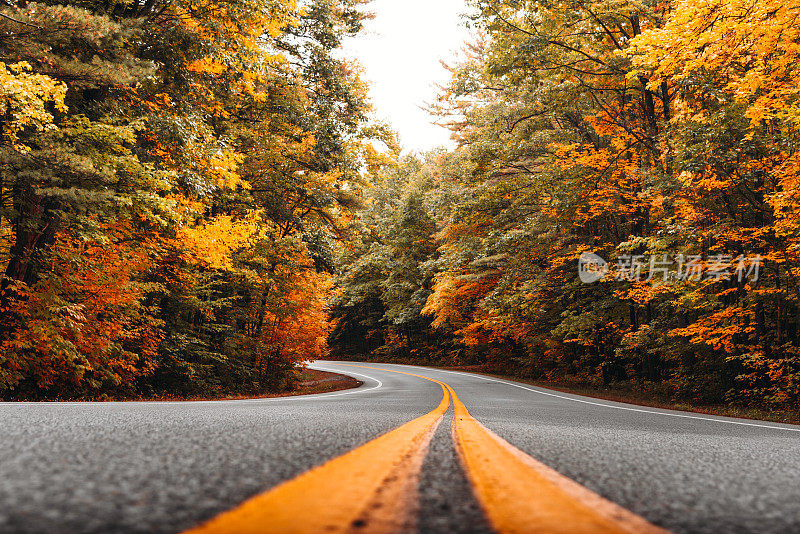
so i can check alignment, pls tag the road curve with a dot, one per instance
(172, 466)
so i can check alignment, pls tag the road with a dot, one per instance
(171, 466)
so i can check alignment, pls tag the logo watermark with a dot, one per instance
(592, 268)
(681, 268)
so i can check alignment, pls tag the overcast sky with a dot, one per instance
(400, 51)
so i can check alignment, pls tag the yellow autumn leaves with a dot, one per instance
(26, 98)
(751, 48)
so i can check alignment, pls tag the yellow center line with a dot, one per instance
(371, 488)
(520, 494)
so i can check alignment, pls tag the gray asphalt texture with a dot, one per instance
(167, 466)
(447, 503)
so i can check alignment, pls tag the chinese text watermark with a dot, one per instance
(663, 267)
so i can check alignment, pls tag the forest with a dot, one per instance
(196, 199)
(176, 176)
(661, 136)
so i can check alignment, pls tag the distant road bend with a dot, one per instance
(413, 449)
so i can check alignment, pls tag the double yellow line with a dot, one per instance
(373, 488)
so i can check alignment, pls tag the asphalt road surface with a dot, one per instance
(170, 466)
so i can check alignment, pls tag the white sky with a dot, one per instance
(400, 50)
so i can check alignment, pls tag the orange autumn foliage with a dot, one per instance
(296, 323)
(86, 321)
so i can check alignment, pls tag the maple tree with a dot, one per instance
(736, 163)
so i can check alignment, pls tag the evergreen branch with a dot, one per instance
(22, 22)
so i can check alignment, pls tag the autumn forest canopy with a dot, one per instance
(196, 199)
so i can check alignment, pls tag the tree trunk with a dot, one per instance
(35, 227)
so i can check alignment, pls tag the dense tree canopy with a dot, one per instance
(196, 201)
(661, 136)
(175, 178)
